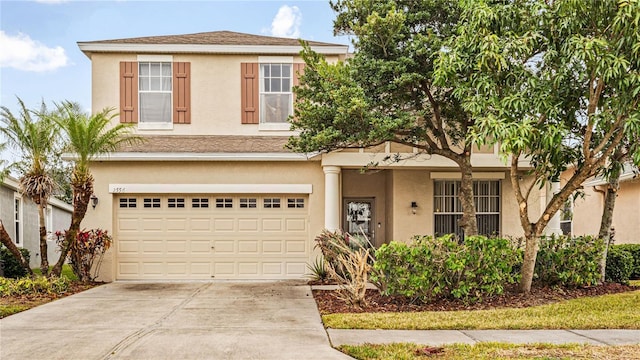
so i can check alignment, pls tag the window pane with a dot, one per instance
(144, 83)
(276, 70)
(166, 84)
(155, 107)
(166, 69)
(286, 70)
(155, 69)
(266, 83)
(276, 108)
(154, 83)
(144, 69)
(266, 70)
(286, 85)
(275, 85)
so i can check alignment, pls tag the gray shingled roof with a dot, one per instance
(212, 38)
(209, 144)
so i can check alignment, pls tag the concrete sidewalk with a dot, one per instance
(444, 337)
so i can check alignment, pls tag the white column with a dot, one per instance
(331, 197)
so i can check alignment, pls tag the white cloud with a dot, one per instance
(287, 22)
(22, 53)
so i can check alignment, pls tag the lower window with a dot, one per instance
(448, 209)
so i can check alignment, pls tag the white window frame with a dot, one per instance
(155, 125)
(18, 220)
(269, 60)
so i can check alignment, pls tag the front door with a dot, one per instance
(359, 218)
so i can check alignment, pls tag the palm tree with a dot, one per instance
(36, 140)
(87, 137)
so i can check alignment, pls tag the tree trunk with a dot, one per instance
(6, 241)
(468, 222)
(81, 195)
(44, 260)
(607, 219)
(529, 262)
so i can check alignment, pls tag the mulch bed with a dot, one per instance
(39, 299)
(329, 303)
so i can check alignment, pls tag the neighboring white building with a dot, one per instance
(20, 218)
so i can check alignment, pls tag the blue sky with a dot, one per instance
(40, 60)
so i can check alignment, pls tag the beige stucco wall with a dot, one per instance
(106, 173)
(587, 213)
(215, 92)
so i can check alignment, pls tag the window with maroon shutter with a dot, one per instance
(249, 93)
(181, 93)
(129, 92)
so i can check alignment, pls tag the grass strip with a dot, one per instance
(408, 351)
(615, 311)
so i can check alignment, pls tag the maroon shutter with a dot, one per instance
(249, 93)
(128, 92)
(181, 93)
(298, 71)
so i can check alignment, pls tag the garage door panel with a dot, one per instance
(152, 224)
(248, 247)
(153, 247)
(248, 225)
(224, 225)
(176, 224)
(176, 247)
(265, 242)
(128, 225)
(272, 225)
(296, 246)
(299, 225)
(272, 246)
(200, 247)
(200, 225)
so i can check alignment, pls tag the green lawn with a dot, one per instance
(617, 311)
(66, 271)
(493, 351)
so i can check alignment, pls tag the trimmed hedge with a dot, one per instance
(619, 265)
(10, 265)
(634, 250)
(569, 261)
(429, 268)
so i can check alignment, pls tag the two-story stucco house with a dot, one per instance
(213, 193)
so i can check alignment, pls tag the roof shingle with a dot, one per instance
(209, 144)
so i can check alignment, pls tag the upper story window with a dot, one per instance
(276, 98)
(155, 92)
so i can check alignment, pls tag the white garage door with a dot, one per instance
(211, 236)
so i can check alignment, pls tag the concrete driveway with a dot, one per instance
(190, 320)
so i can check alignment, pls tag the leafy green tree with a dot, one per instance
(87, 136)
(386, 91)
(34, 138)
(555, 83)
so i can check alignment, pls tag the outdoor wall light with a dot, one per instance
(94, 200)
(414, 207)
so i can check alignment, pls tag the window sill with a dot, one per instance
(155, 126)
(274, 127)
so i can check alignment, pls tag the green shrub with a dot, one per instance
(430, 268)
(619, 265)
(32, 286)
(634, 250)
(10, 265)
(569, 261)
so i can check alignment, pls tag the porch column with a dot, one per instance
(331, 197)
